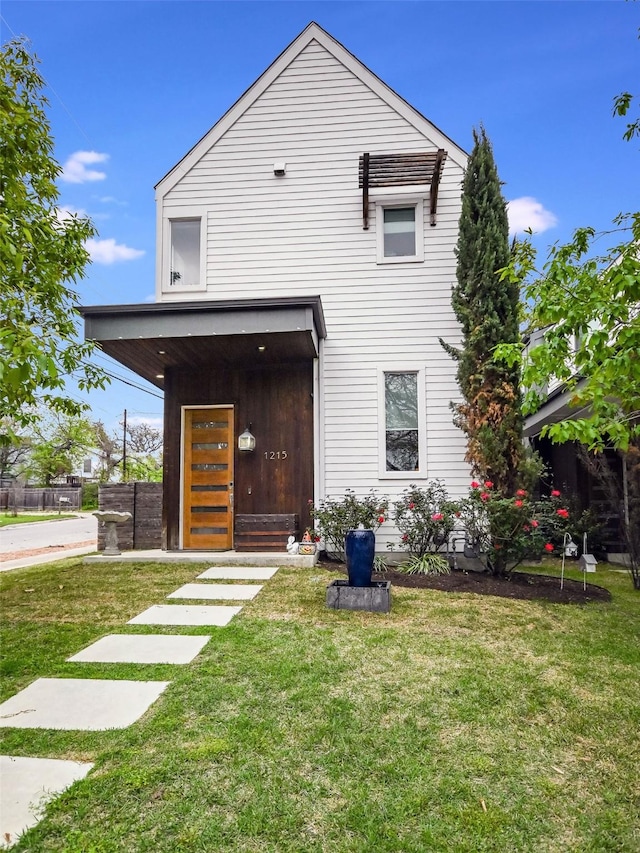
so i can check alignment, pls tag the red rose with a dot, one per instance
(563, 513)
(555, 493)
(412, 506)
(526, 527)
(518, 503)
(522, 493)
(485, 496)
(437, 516)
(381, 518)
(475, 484)
(405, 536)
(497, 546)
(534, 523)
(316, 538)
(548, 547)
(488, 484)
(457, 514)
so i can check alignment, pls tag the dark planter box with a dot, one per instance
(376, 598)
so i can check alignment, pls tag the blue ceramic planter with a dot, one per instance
(360, 546)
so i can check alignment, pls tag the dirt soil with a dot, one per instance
(519, 586)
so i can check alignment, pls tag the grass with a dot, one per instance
(29, 518)
(455, 723)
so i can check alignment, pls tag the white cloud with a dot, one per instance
(109, 252)
(109, 199)
(528, 212)
(75, 169)
(153, 421)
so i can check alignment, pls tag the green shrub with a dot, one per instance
(90, 495)
(425, 518)
(426, 564)
(336, 516)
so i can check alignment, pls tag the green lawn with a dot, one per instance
(28, 518)
(455, 723)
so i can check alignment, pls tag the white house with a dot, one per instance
(305, 260)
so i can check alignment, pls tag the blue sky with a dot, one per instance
(134, 84)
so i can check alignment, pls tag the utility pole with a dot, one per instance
(124, 447)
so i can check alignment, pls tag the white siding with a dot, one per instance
(302, 234)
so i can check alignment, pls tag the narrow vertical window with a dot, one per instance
(401, 421)
(185, 253)
(399, 228)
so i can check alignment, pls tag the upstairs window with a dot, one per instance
(184, 271)
(402, 446)
(400, 233)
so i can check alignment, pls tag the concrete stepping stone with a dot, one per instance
(186, 614)
(89, 704)
(235, 573)
(218, 591)
(27, 785)
(142, 648)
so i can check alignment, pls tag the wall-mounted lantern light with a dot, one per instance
(246, 441)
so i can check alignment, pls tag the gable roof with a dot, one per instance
(313, 32)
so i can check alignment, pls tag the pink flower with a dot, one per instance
(457, 514)
(534, 523)
(497, 546)
(548, 547)
(412, 506)
(405, 536)
(310, 501)
(381, 518)
(521, 493)
(485, 496)
(518, 503)
(488, 484)
(526, 527)
(475, 484)
(437, 516)
(563, 513)
(555, 493)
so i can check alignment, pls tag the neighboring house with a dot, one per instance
(305, 260)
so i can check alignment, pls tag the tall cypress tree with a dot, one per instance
(487, 309)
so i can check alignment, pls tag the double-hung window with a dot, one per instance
(402, 433)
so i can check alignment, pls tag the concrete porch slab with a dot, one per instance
(230, 573)
(217, 591)
(27, 785)
(142, 648)
(219, 558)
(186, 614)
(88, 704)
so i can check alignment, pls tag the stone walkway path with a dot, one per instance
(28, 784)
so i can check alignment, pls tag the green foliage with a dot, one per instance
(425, 517)
(40, 251)
(59, 442)
(336, 516)
(426, 564)
(593, 300)
(90, 495)
(504, 531)
(487, 307)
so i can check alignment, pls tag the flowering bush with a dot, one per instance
(503, 531)
(425, 518)
(336, 516)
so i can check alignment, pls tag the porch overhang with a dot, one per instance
(239, 333)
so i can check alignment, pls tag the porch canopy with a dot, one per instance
(150, 338)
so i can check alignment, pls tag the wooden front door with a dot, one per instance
(208, 479)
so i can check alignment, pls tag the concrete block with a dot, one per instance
(375, 598)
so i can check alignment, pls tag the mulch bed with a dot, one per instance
(520, 585)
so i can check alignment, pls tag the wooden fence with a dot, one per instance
(144, 502)
(38, 499)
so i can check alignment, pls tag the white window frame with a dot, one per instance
(182, 214)
(397, 202)
(421, 473)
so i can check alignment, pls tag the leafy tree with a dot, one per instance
(14, 452)
(59, 443)
(584, 311)
(487, 307)
(144, 442)
(40, 252)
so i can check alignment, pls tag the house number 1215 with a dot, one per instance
(275, 454)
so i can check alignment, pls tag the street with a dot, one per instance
(58, 534)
